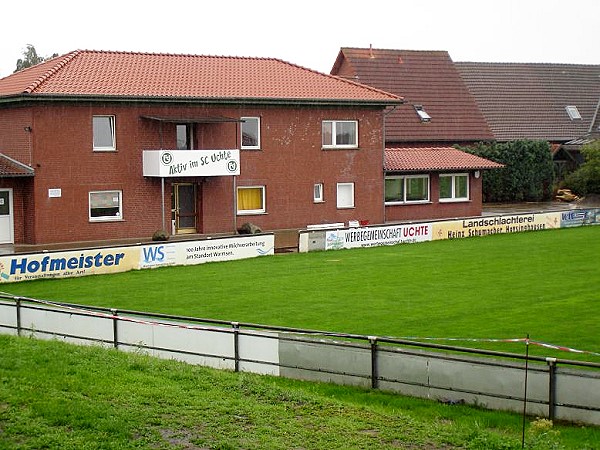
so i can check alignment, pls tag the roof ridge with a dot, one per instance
(376, 49)
(190, 55)
(62, 62)
(527, 64)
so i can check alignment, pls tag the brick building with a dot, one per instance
(425, 177)
(99, 145)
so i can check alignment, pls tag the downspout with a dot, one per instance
(234, 205)
(162, 182)
(237, 141)
(162, 198)
(591, 129)
(385, 113)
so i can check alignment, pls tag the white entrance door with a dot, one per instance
(6, 217)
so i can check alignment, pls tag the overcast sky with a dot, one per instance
(307, 32)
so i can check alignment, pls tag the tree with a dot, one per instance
(30, 58)
(586, 179)
(528, 174)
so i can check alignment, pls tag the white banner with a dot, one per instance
(374, 236)
(210, 250)
(191, 163)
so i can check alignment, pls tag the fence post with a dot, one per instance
(236, 345)
(18, 306)
(374, 371)
(551, 387)
(115, 328)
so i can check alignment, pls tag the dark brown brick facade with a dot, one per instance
(436, 210)
(289, 163)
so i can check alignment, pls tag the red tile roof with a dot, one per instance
(12, 168)
(426, 78)
(151, 75)
(528, 101)
(434, 159)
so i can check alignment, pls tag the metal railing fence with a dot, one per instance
(556, 388)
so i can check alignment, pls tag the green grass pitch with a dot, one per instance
(545, 284)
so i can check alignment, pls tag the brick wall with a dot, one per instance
(437, 210)
(15, 139)
(289, 163)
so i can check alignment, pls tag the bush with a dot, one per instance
(528, 174)
(586, 179)
(160, 235)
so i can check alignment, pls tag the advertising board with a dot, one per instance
(374, 236)
(23, 267)
(579, 217)
(209, 250)
(484, 226)
(76, 263)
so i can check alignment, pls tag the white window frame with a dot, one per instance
(334, 125)
(405, 179)
(112, 125)
(245, 212)
(244, 121)
(341, 196)
(119, 215)
(573, 112)
(454, 197)
(318, 193)
(189, 136)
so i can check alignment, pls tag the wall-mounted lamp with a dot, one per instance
(477, 174)
(28, 129)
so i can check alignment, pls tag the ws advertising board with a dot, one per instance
(76, 263)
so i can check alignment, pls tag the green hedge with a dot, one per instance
(528, 175)
(586, 179)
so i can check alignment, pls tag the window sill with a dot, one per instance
(105, 220)
(318, 201)
(424, 202)
(252, 213)
(346, 207)
(455, 200)
(104, 150)
(251, 149)
(339, 148)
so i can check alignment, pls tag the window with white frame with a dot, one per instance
(406, 189)
(104, 133)
(251, 200)
(105, 206)
(345, 195)
(250, 133)
(573, 112)
(318, 193)
(454, 187)
(339, 133)
(184, 132)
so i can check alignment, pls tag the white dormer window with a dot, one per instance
(573, 112)
(422, 113)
